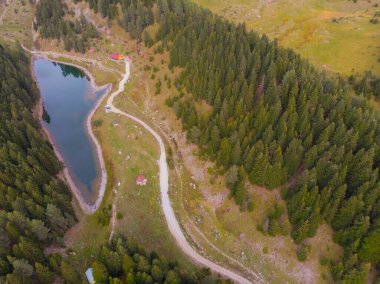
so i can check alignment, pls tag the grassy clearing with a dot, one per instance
(336, 35)
(17, 22)
(129, 150)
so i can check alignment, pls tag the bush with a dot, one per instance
(284, 193)
(251, 206)
(119, 216)
(260, 228)
(98, 123)
(159, 49)
(158, 87)
(265, 250)
(324, 261)
(302, 252)
(104, 216)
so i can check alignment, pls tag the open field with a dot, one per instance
(129, 151)
(334, 34)
(16, 17)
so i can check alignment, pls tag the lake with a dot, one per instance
(68, 99)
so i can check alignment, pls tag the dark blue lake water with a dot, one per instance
(68, 100)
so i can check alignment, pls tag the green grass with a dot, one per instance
(17, 23)
(350, 45)
(140, 207)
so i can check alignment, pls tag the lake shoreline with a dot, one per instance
(88, 208)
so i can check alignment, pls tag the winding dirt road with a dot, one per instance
(171, 220)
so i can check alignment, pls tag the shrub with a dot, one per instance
(302, 252)
(119, 216)
(251, 206)
(324, 260)
(98, 123)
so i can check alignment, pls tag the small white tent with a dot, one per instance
(90, 276)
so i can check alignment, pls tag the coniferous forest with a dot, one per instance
(35, 206)
(275, 121)
(52, 23)
(124, 261)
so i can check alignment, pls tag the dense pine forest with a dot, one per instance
(35, 206)
(123, 261)
(280, 123)
(275, 121)
(52, 23)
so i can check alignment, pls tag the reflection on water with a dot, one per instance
(68, 99)
(70, 70)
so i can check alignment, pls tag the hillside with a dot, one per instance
(35, 206)
(278, 122)
(290, 152)
(337, 35)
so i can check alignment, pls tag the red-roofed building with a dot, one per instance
(116, 56)
(141, 180)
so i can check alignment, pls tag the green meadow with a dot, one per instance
(334, 34)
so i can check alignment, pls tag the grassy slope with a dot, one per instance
(350, 45)
(17, 22)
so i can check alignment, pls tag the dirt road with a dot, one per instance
(171, 220)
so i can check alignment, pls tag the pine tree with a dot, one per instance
(100, 272)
